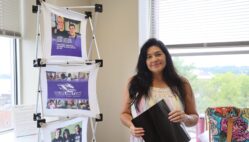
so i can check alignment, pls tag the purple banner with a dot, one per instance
(61, 89)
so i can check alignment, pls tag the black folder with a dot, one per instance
(157, 126)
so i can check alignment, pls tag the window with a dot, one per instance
(9, 41)
(8, 81)
(210, 38)
(210, 46)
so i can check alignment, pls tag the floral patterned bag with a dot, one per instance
(228, 124)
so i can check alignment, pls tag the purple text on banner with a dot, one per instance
(62, 46)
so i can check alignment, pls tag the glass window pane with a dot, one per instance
(217, 80)
(6, 82)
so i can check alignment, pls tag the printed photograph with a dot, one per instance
(67, 90)
(66, 37)
(71, 130)
(70, 133)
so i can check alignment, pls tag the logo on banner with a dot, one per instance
(67, 89)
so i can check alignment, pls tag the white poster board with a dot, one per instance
(63, 34)
(69, 90)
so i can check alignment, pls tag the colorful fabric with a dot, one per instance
(219, 118)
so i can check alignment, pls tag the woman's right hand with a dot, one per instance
(136, 131)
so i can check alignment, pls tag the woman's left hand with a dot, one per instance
(177, 116)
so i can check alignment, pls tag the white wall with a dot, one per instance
(28, 74)
(117, 37)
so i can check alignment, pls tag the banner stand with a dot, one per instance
(39, 63)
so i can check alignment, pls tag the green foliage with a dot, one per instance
(224, 89)
(185, 70)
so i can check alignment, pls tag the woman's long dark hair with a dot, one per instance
(68, 134)
(141, 82)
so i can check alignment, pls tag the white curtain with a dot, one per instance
(200, 21)
(10, 18)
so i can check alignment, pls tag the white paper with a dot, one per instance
(23, 120)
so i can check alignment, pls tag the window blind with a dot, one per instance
(10, 18)
(200, 21)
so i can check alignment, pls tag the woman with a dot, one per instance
(67, 136)
(157, 79)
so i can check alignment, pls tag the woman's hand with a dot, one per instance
(137, 132)
(177, 116)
